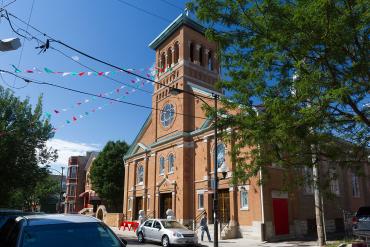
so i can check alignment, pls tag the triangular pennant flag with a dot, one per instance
(74, 118)
(29, 71)
(66, 73)
(81, 73)
(68, 122)
(16, 69)
(56, 111)
(89, 73)
(106, 73)
(86, 113)
(86, 100)
(48, 70)
(100, 73)
(64, 109)
(74, 73)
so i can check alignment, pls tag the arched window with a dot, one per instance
(176, 51)
(200, 55)
(220, 154)
(169, 57)
(191, 49)
(163, 62)
(210, 60)
(161, 165)
(140, 174)
(171, 163)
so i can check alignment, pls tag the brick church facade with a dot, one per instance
(170, 163)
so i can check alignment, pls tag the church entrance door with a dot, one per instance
(164, 204)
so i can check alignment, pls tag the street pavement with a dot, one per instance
(131, 239)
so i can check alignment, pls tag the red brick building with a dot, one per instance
(170, 163)
(76, 178)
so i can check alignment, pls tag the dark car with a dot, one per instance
(361, 222)
(57, 230)
(6, 214)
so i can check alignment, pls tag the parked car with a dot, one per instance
(57, 230)
(361, 222)
(167, 232)
(6, 214)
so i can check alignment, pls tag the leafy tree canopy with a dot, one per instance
(108, 172)
(298, 75)
(23, 136)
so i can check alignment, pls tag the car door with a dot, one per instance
(157, 231)
(147, 229)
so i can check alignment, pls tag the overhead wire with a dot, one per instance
(101, 61)
(28, 22)
(65, 55)
(144, 10)
(171, 4)
(29, 80)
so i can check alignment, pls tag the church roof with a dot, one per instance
(182, 19)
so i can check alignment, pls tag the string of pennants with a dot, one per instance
(149, 72)
(45, 70)
(81, 115)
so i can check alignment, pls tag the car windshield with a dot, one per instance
(69, 234)
(172, 224)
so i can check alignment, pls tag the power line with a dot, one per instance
(51, 39)
(65, 55)
(28, 80)
(28, 23)
(145, 11)
(171, 4)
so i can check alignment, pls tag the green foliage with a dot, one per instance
(298, 73)
(108, 173)
(23, 136)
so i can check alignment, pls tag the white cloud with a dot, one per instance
(67, 149)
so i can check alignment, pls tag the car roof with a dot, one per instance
(48, 219)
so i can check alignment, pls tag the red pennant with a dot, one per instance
(74, 118)
(81, 73)
(101, 73)
(29, 71)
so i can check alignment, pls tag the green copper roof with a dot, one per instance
(182, 19)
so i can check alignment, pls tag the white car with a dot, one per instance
(167, 232)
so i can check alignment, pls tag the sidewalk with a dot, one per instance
(130, 237)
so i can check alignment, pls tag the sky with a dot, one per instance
(110, 30)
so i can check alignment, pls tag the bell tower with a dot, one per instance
(186, 60)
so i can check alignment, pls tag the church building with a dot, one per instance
(170, 163)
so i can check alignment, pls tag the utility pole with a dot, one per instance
(215, 194)
(60, 192)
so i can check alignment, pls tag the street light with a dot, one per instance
(176, 91)
(61, 186)
(10, 44)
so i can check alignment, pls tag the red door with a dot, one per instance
(281, 218)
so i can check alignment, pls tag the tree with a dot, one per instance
(108, 173)
(23, 136)
(297, 72)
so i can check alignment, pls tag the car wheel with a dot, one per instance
(140, 237)
(165, 241)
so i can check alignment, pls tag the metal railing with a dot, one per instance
(197, 219)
